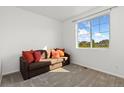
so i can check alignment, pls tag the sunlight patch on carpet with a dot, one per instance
(60, 70)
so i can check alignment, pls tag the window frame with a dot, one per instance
(76, 32)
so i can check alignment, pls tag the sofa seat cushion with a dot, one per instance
(56, 60)
(38, 65)
(54, 66)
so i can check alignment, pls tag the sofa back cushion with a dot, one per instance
(62, 49)
(28, 56)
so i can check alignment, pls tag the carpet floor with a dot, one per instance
(69, 76)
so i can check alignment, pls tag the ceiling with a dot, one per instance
(60, 13)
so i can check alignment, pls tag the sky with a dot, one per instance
(99, 29)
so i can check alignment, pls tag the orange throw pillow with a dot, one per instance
(55, 54)
(61, 53)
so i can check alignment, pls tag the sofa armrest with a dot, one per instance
(24, 68)
(67, 55)
(68, 60)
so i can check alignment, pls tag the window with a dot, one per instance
(93, 33)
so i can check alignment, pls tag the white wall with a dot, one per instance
(107, 60)
(23, 30)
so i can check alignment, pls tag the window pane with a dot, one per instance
(100, 40)
(104, 27)
(95, 21)
(84, 38)
(84, 25)
(95, 29)
(104, 19)
(100, 33)
(83, 34)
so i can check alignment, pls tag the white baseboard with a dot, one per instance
(7, 73)
(97, 69)
(0, 79)
(0, 72)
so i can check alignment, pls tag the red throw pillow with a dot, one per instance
(37, 56)
(28, 55)
(55, 54)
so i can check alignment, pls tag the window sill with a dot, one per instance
(93, 48)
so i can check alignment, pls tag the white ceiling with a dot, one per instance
(60, 13)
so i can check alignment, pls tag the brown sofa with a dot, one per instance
(30, 70)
